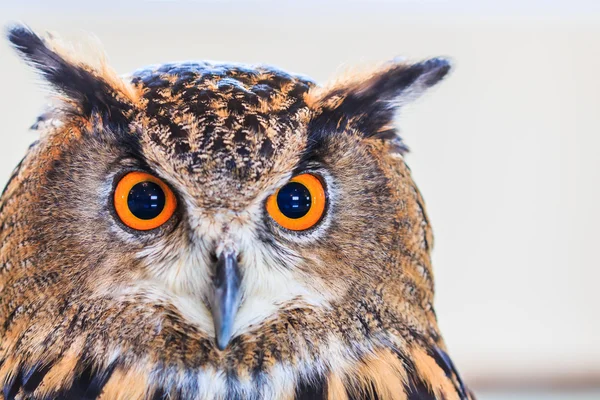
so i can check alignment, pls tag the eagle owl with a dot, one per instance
(204, 230)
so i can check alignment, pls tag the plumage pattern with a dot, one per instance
(90, 309)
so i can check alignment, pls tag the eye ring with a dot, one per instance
(299, 204)
(143, 202)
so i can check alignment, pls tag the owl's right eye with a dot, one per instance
(143, 201)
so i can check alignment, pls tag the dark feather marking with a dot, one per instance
(12, 386)
(99, 380)
(9, 319)
(160, 394)
(232, 382)
(32, 377)
(14, 173)
(40, 120)
(418, 391)
(87, 386)
(311, 389)
(445, 362)
(79, 387)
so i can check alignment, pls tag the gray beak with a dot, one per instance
(226, 299)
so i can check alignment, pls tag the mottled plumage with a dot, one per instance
(90, 308)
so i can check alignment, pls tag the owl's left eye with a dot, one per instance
(299, 204)
(143, 201)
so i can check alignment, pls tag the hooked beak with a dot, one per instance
(226, 299)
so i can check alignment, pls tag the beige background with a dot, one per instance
(505, 150)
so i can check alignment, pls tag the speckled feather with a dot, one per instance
(90, 309)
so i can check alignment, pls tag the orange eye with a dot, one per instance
(143, 201)
(299, 204)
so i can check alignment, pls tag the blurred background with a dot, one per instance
(505, 151)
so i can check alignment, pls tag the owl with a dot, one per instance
(204, 230)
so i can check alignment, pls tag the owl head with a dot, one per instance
(210, 230)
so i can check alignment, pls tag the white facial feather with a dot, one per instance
(180, 271)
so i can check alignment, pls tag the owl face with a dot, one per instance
(218, 217)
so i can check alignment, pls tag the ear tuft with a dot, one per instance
(399, 82)
(370, 102)
(434, 70)
(87, 89)
(28, 43)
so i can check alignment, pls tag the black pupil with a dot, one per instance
(146, 200)
(294, 200)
